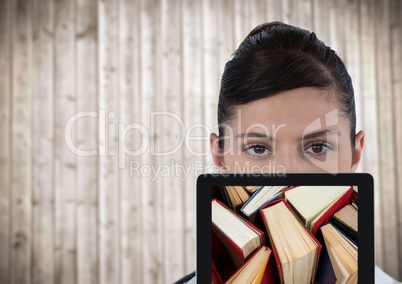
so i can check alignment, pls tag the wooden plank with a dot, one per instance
(85, 134)
(21, 190)
(387, 184)
(211, 73)
(196, 151)
(129, 104)
(152, 261)
(226, 44)
(171, 144)
(298, 13)
(320, 20)
(108, 161)
(352, 61)
(65, 163)
(396, 75)
(336, 21)
(5, 140)
(369, 101)
(226, 41)
(306, 14)
(274, 11)
(290, 13)
(42, 140)
(256, 14)
(239, 20)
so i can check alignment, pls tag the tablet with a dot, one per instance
(287, 228)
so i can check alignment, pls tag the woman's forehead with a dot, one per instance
(297, 111)
(300, 105)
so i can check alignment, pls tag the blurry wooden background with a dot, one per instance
(67, 218)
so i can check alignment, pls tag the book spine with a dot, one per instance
(341, 202)
(347, 230)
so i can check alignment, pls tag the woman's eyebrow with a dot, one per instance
(320, 133)
(255, 135)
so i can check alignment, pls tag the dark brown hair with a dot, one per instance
(275, 57)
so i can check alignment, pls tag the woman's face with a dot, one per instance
(301, 130)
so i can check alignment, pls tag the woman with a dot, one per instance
(286, 104)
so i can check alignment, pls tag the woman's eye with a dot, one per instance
(317, 148)
(257, 150)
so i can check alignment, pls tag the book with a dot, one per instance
(216, 277)
(326, 274)
(295, 249)
(237, 197)
(262, 196)
(251, 188)
(223, 266)
(342, 254)
(254, 269)
(239, 236)
(354, 205)
(217, 192)
(346, 220)
(229, 259)
(314, 205)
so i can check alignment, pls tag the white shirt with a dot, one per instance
(380, 277)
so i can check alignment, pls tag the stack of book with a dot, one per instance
(276, 234)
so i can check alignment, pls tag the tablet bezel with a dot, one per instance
(363, 181)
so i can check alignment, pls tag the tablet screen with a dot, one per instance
(298, 228)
